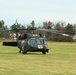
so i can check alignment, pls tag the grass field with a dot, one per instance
(61, 60)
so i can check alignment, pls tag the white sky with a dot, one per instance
(38, 10)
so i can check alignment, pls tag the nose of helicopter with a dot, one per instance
(39, 46)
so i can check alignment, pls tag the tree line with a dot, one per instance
(59, 26)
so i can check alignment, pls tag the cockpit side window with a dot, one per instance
(32, 41)
(36, 41)
(22, 42)
(40, 41)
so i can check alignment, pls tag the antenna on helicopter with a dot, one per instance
(33, 26)
(16, 30)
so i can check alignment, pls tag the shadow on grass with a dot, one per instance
(28, 53)
(33, 53)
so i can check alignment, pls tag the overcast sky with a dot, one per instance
(38, 10)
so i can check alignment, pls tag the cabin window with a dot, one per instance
(22, 42)
(34, 41)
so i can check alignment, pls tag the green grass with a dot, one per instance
(61, 60)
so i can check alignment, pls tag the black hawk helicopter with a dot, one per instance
(28, 42)
(31, 42)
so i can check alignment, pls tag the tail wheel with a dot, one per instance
(24, 51)
(44, 52)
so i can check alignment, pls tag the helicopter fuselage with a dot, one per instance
(33, 45)
(29, 43)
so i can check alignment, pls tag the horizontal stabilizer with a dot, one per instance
(9, 43)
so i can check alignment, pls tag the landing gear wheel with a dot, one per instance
(43, 52)
(24, 51)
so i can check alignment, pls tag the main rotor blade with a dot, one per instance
(54, 31)
(16, 29)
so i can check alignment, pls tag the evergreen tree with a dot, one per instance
(69, 29)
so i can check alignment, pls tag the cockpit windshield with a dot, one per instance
(34, 41)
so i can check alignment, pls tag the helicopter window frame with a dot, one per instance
(22, 42)
(30, 41)
(34, 41)
(44, 42)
